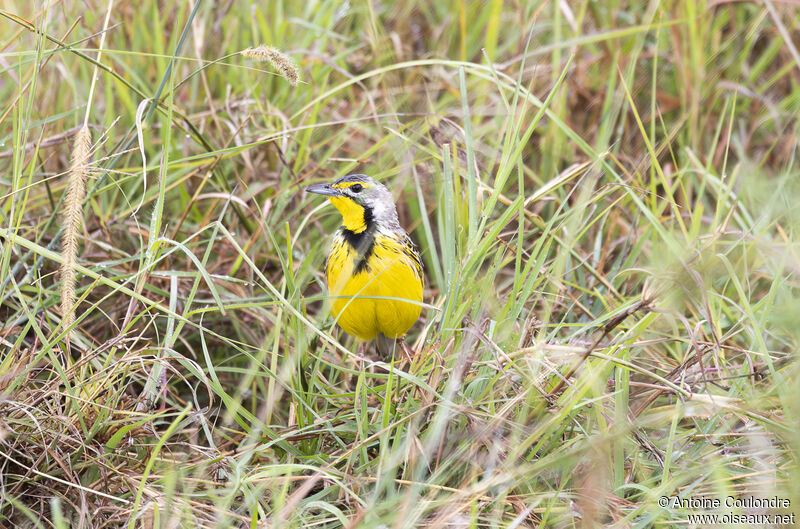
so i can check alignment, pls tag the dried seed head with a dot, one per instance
(279, 60)
(71, 221)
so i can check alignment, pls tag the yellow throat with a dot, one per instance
(352, 214)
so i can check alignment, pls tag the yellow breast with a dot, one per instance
(390, 270)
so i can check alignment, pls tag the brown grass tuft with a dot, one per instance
(76, 190)
(279, 60)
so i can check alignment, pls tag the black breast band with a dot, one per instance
(364, 242)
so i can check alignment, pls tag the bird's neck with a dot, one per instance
(355, 217)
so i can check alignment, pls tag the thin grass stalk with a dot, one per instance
(76, 191)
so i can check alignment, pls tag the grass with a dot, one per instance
(604, 195)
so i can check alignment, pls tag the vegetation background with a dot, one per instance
(604, 193)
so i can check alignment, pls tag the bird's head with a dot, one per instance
(361, 200)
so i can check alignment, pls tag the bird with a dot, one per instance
(374, 271)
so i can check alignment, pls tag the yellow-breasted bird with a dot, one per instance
(372, 258)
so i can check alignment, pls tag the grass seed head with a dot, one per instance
(71, 220)
(279, 60)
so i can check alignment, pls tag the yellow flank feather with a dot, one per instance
(390, 272)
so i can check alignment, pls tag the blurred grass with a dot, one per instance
(604, 194)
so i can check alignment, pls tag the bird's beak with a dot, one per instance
(323, 189)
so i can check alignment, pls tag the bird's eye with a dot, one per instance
(356, 188)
